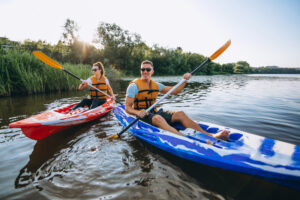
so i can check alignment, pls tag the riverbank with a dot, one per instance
(23, 74)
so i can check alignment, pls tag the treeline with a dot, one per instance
(123, 51)
(275, 70)
(120, 50)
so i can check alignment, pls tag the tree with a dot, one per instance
(60, 51)
(241, 67)
(118, 45)
(217, 68)
(193, 60)
(228, 67)
(70, 33)
(78, 51)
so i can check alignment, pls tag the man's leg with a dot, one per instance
(180, 116)
(160, 122)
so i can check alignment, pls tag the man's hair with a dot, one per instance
(147, 62)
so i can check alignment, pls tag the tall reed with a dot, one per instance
(23, 74)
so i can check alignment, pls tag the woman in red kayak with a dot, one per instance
(99, 81)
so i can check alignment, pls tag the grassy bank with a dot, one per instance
(23, 74)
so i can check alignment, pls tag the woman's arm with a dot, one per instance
(111, 92)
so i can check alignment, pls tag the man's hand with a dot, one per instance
(142, 113)
(187, 76)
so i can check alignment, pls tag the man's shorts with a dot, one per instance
(167, 115)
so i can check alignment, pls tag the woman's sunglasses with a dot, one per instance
(147, 69)
(94, 70)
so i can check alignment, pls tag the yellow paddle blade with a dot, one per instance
(47, 60)
(112, 137)
(220, 51)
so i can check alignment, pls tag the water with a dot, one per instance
(81, 163)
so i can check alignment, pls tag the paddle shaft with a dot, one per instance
(163, 97)
(70, 73)
(201, 65)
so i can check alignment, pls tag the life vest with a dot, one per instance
(146, 96)
(101, 85)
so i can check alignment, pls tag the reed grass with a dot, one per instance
(23, 74)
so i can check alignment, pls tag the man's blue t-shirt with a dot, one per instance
(133, 89)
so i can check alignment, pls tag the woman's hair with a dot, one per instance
(100, 66)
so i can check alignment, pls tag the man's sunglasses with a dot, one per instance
(147, 69)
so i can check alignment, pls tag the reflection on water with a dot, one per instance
(81, 163)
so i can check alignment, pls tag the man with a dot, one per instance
(142, 93)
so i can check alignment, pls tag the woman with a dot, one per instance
(99, 81)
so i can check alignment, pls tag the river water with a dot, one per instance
(80, 163)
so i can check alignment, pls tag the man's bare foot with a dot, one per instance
(223, 135)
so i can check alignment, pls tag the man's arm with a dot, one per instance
(129, 101)
(186, 76)
(129, 106)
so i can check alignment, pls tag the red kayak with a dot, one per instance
(47, 123)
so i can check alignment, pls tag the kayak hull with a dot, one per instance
(247, 153)
(49, 122)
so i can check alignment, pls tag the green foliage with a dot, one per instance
(241, 67)
(121, 52)
(70, 33)
(23, 74)
(119, 45)
(228, 68)
(125, 51)
(274, 70)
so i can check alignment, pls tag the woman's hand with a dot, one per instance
(84, 83)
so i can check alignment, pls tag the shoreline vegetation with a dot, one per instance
(121, 53)
(23, 74)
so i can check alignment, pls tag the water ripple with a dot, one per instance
(80, 163)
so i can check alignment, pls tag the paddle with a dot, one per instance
(41, 56)
(212, 57)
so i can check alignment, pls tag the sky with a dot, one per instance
(262, 32)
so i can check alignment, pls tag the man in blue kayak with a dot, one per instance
(142, 93)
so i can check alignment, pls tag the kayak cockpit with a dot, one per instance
(235, 139)
(65, 109)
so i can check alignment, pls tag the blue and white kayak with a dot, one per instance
(247, 153)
